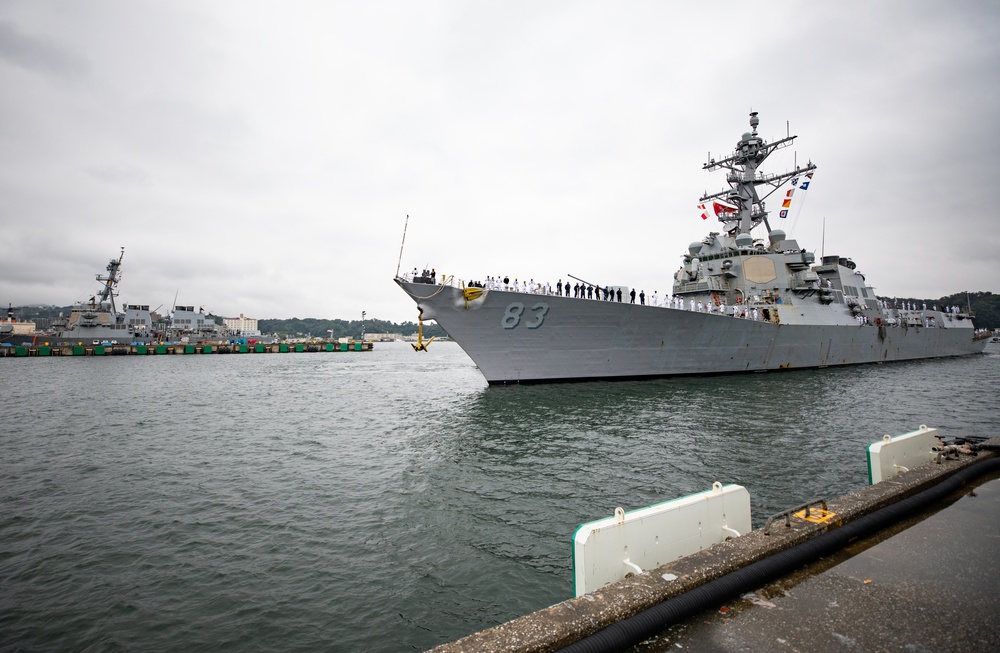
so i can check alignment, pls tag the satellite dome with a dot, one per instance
(744, 240)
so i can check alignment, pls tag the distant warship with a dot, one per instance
(739, 305)
(94, 321)
(98, 321)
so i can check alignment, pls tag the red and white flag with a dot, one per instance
(716, 208)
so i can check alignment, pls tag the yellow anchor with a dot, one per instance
(420, 345)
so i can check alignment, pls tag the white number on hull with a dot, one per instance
(512, 316)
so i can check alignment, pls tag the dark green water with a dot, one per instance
(385, 501)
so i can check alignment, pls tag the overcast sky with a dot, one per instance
(261, 158)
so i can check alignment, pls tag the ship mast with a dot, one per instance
(111, 281)
(751, 151)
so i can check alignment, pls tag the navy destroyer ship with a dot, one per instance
(739, 304)
(96, 320)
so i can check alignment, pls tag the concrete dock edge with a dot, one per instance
(564, 623)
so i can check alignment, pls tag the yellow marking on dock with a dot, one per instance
(816, 515)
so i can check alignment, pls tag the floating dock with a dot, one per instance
(644, 604)
(22, 351)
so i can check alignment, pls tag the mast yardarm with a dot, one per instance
(110, 282)
(743, 179)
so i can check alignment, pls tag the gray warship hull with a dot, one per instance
(739, 303)
(83, 336)
(518, 337)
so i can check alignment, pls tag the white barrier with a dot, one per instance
(893, 455)
(606, 550)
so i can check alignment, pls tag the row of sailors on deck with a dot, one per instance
(590, 291)
(607, 293)
(912, 306)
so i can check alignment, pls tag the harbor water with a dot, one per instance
(386, 500)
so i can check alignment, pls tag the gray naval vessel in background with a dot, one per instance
(98, 321)
(94, 321)
(739, 305)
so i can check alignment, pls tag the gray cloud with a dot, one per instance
(39, 54)
(263, 161)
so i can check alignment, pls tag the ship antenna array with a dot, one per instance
(400, 261)
(822, 251)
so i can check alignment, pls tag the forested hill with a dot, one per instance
(317, 327)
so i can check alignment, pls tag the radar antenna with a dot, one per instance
(743, 179)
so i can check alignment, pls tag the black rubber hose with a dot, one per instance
(629, 632)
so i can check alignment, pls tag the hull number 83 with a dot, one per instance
(515, 310)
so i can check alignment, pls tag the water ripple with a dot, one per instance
(386, 500)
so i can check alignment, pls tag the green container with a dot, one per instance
(357, 346)
(140, 349)
(99, 350)
(343, 346)
(78, 350)
(20, 350)
(329, 346)
(243, 349)
(283, 348)
(259, 349)
(44, 351)
(161, 349)
(299, 347)
(207, 349)
(188, 349)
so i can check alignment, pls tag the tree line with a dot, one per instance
(319, 328)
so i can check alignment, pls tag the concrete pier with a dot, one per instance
(162, 349)
(926, 584)
(570, 621)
